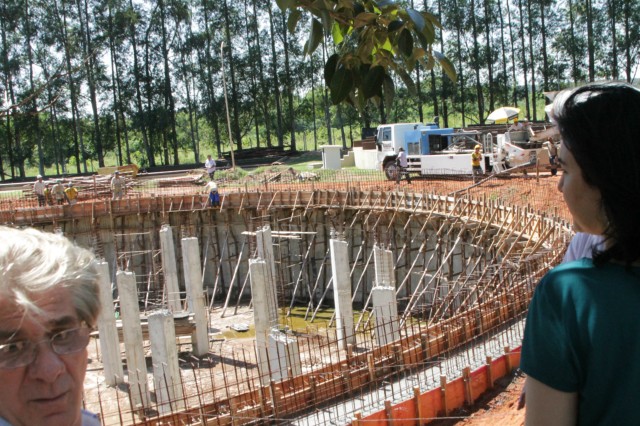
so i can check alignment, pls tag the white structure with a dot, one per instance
(195, 295)
(170, 269)
(164, 355)
(259, 271)
(132, 331)
(385, 310)
(264, 243)
(342, 292)
(109, 341)
(284, 355)
(331, 157)
(383, 264)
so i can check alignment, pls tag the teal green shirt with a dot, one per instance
(583, 335)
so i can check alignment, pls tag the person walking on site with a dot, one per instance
(58, 192)
(403, 164)
(580, 350)
(117, 186)
(38, 189)
(49, 305)
(210, 165)
(476, 161)
(553, 155)
(71, 193)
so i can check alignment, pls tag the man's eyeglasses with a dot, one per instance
(21, 353)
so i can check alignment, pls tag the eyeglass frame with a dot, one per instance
(29, 353)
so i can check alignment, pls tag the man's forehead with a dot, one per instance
(54, 309)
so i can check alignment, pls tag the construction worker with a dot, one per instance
(58, 192)
(117, 186)
(210, 165)
(71, 193)
(402, 164)
(38, 189)
(213, 199)
(476, 159)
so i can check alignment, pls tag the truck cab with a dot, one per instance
(430, 149)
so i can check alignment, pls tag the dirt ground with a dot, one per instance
(498, 407)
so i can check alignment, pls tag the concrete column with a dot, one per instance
(258, 272)
(385, 310)
(195, 295)
(170, 269)
(284, 355)
(265, 251)
(383, 262)
(109, 341)
(342, 292)
(164, 355)
(133, 344)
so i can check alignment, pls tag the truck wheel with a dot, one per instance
(391, 170)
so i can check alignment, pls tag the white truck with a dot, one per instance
(435, 151)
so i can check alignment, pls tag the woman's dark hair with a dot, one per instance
(600, 125)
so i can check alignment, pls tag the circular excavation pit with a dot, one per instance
(345, 293)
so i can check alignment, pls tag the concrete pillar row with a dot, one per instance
(170, 269)
(108, 332)
(133, 343)
(342, 292)
(164, 355)
(195, 295)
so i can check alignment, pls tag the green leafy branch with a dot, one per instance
(372, 39)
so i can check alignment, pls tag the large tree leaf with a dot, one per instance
(395, 25)
(286, 4)
(330, 68)
(315, 37)
(416, 18)
(385, 3)
(372, 84)
(364, 19)
(292, 22)
(430, 17)
(405, 43)
(341, 84)
(446, 65)
(336, 33)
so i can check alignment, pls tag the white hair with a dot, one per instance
(33, 262)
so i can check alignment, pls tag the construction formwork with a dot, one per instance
(463, 268)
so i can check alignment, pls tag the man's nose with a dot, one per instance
(47, 365)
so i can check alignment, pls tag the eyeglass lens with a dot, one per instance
(23, 352)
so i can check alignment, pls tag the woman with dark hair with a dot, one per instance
(581, 348)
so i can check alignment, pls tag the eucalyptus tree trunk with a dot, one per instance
(6, 27)
(545, 56)
(458, 29)
(504, 90)
(525, 68)
(325, 99)
(476, 62)
(489, 54)
(627, 40)
(116, 90)
(533, 63)
(611, 6)
(574, 60)
(287, 70)
(90, 68)
(33, 103)
(232, 71)
(274, 74)
(169, 102)
(446, 84)
(137, 77)
(253, 54)
(513, 58)
(264, 90)
(73, 92)
(191, 107)
(208, 77)
(590, 40)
